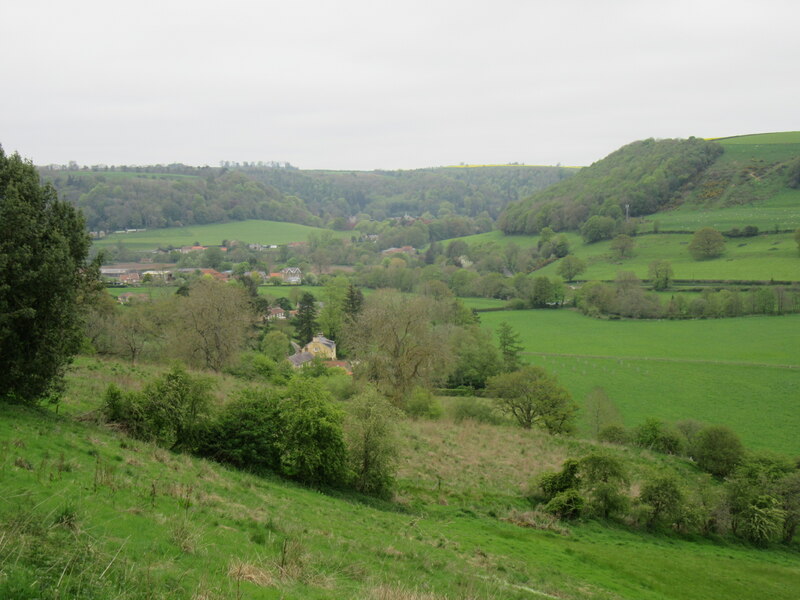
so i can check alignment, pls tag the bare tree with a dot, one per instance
(395, 344)
(212, 323)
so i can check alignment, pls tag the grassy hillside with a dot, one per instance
(254, 231)
(760, 258)
(742, 372)
(753, 178)
(89, 513)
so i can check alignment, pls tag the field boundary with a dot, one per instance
(738, 363)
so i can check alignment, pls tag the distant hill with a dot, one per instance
(653, 176)
(114, 198)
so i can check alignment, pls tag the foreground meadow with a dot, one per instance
(88, 513)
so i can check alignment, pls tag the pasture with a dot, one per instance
(252, 231)
(742, 372)
(782, 212)
(763, 258)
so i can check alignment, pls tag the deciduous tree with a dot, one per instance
(532, 396)
(707, 243)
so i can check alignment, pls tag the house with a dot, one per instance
(276, 313)
(132, 278)
(292, 275)
(319, 346)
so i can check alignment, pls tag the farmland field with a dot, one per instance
(742, 372)
(261, 232)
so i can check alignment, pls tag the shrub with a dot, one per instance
(312, 448)
(566, 505)
(550, 484)
(246, 432)
(423, 404)
(371, 436)
(654, 435)
(663, 497)
(170, 410)
(476, 410)
(613, 434)
(717, 449)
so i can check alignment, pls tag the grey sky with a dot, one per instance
(373, 84)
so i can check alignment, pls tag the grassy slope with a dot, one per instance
(742, 372)
(144, 523)
(261, 232)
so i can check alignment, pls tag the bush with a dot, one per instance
(655, 435)
(566, 505)
(717, 449)
(476, 410)
(551, 484)
(423, 404)
(372, 443)
(613, 434)
(246, 433)
(663, 498)
(170, 411)
(312, 448)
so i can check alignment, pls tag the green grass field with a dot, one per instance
(86, 512)
(742, 372)
(256, 232)
(763, 258)
(782, 211)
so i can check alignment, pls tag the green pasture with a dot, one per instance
(764, 147)
(742, 372)
(252, 231)
(763, 258)
(782, 211)
(482, 303)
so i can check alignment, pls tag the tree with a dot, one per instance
(476, 358)
(661, 274)
(510, 348)
(601, 411)
(43, 278)
(532, 396)
(306, 321)
(211, 323)
(353, 302)
(371, 436)
(396, 344)
(717, 450)
(570, 267)
(598, 228)
(707, 243)
(623, 245)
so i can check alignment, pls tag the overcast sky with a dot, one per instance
(374, 84)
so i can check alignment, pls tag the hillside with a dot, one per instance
(114, 198)
(90, 513)
(679, 183)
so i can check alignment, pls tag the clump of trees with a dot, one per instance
(296, 431)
